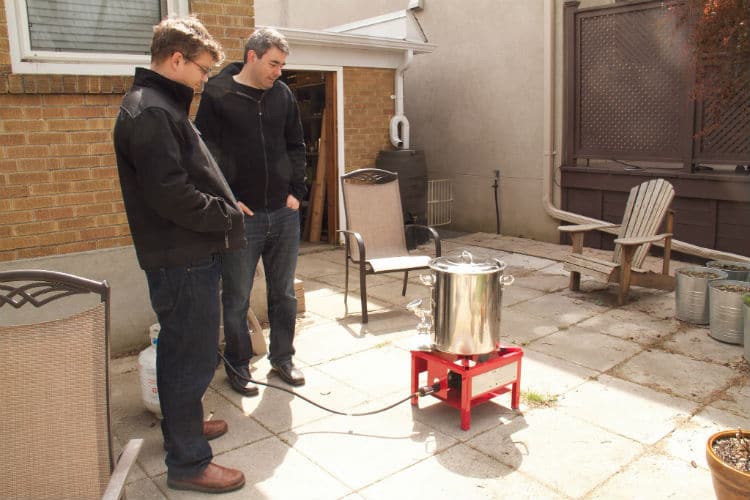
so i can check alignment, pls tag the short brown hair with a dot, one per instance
(186, 35)
(263, 39)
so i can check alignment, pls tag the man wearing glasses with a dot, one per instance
(251, 122)
(181, 214)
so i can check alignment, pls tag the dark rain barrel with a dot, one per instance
(411, 167)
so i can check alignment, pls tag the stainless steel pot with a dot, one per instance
(466, 303)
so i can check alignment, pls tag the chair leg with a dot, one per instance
(625, 262)
(346, 279)
(406, 279)
(575, 281)
(363, 290)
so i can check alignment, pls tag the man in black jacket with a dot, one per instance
(181, 214)
(250, 121)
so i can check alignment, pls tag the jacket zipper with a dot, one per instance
(223, 182)
(259, 102)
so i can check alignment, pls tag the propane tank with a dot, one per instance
(147, 372)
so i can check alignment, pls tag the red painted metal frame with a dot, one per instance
(438, 364)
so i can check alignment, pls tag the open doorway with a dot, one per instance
(316, 96)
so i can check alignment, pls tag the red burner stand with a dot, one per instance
(467, 381)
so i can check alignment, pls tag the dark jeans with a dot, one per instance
(272, 235)
(186, 301)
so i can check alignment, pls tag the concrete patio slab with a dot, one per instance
(365, 450)
(628, 409)
(555, 449)
(676, 374)
(560, 308)
(632, 325)
(586, 348)
(695, 342)
(458, 472)
(645, 478)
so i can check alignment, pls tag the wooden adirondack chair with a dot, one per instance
(375, 239)
(645, 210)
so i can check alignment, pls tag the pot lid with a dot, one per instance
(466, 263)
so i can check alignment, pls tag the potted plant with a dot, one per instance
(691, 292)
(735, 270)
(725, 310)
(728, 456)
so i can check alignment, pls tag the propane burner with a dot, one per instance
(469, 380)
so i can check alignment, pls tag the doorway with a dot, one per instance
(316, 96)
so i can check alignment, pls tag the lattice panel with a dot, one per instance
(729, 136)
(632, 84)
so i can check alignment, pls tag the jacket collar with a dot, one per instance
(181, 94)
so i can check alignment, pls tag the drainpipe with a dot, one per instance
(399, 118)
(549, 152)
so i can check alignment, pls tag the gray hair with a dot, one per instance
(263, 39)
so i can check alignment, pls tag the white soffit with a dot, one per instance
(343, 49)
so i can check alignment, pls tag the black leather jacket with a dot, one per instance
(179, 206)
(256, 137)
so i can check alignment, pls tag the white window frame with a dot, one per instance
(25, 60)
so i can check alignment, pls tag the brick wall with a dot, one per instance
(368, 108)
(59, 191)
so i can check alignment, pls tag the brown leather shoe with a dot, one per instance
(213, 479)
(211, 430)
(214, 428)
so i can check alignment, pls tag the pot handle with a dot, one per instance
(427, 279)
(506, 280)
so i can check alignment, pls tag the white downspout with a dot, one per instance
(549, 152)
(399, 118)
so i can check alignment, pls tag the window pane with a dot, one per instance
(116, 26)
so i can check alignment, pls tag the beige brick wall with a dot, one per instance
(59, 191)
(368, 108)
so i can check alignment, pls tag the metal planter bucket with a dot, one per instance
(739, 271)
(746, 311)
(691, 293)
(466, 302)
(726, 310)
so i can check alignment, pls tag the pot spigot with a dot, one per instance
(423, 341)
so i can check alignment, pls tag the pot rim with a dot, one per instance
(746, 265)
(710, 451)
(720, 273)
(716, 283)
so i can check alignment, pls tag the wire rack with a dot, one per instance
(439, 202)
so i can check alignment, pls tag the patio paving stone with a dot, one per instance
(632, 325)
(628, 409)
(585, 347)
(555, 449)
(458, 472)
(645, 478)
(675, 374)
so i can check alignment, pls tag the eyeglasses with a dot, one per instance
(206, 71)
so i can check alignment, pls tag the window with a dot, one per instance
(91, 37)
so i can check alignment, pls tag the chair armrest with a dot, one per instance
(433, 233)
(579, 228)
(640, 240)
(360, 243)
(116, 483)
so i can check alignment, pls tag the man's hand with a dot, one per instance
(292, 202)
(244, 209)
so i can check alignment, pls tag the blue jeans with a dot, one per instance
(272, 235)
(186, 302)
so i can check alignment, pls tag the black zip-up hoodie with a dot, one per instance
(256, 137)
(179, 206)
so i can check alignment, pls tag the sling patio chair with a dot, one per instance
(646, 207)
(54, 367)
(375, 234)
